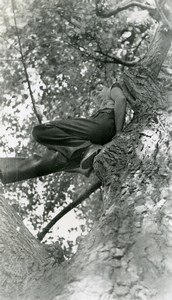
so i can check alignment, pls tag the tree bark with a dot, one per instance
(128, 254)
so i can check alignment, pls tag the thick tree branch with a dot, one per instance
(158, 50)
(162, 14)
(69, 207)
(24, 64)
(122, 6)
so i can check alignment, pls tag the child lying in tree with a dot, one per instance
(72, 143)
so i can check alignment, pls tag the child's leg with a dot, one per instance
(17, 169)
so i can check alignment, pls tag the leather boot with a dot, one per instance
(87, 161)
(15, 169)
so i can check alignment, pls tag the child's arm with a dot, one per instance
(119, 107)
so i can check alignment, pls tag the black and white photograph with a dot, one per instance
(85, 150)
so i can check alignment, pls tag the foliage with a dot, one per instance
(67, 51)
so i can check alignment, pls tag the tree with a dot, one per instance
(127, 255)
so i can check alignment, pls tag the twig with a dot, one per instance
(125, 5)
(111, 60)
(68, 208)
(140, 42)
(24, 64)
(116, 59)
(2, 37)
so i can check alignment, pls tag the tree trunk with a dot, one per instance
(128, 254)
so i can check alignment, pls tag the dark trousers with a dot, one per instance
(67, 141)
(15, 169)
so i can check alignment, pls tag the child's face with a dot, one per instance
(99, 95)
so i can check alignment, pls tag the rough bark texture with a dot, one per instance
(128, 254)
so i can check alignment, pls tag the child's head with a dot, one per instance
(99, 94)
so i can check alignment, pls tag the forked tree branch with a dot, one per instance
(79, 200)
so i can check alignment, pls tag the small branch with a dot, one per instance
(24, 64)
(125, 5)
(1, 36)
(140, 42)
(111, 60)
(108, 58)
(10, 60)
(117, 60)
(69, 207)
